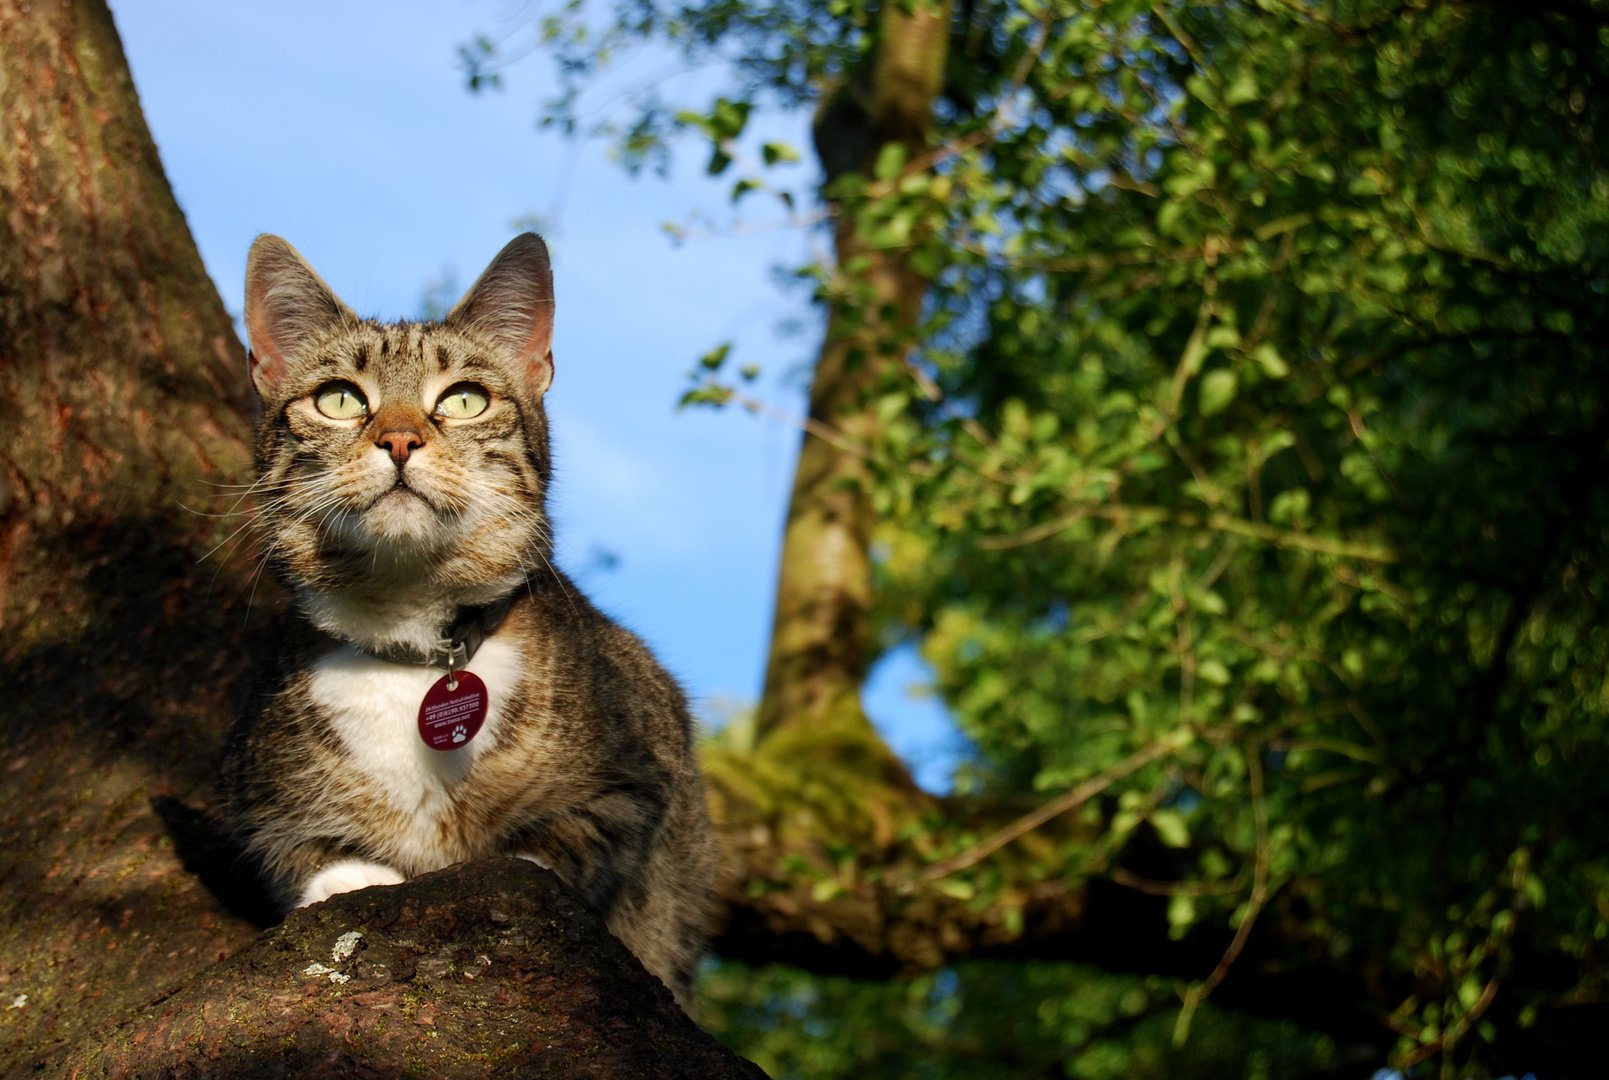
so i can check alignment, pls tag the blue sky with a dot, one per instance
(346, 128)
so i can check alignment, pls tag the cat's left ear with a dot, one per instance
(512, 304)
(288, 307)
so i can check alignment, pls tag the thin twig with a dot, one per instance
(826, 434)
(1254, 904)
(1176, 888)
(1126, 512)
(1187, 655)
(1455, 1031)
(1038, 532)
(1058, 806)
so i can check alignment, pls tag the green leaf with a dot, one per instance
(698, 120)
(825, 890)
(1268, 358)
(890, 160)
(705, 395)
(1242, 89)
(1170, 828)
(1289, 506)
(1181, 914)
(1167, 218)
(778, 153)
(1218, 389)
(729, 118)
(713, 359)
(1322, 171)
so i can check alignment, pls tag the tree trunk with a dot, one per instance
(122, 396)
(820, 643)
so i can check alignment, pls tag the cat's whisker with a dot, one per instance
(242, 528)
(209, 514)
(256, 516)
(234, 491)
(245, 492)
(254, 483)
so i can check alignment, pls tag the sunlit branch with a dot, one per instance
(1150, 515)
(1056, 807)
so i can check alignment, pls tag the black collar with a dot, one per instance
(459, 642)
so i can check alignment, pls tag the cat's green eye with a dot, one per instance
(463, 402)
(340, 401)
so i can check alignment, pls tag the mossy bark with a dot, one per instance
(820, 645)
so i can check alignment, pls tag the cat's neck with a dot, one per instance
(375, 616)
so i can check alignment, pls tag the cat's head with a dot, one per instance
(409, 456)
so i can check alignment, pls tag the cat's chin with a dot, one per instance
(401, 515)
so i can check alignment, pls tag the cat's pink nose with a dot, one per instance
(400, 442)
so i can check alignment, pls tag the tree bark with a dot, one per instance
(820, 643)
(490, 968)
(121, 396)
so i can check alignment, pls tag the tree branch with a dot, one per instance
(1056, 807)
(493, 966)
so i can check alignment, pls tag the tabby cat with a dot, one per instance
(402, 477)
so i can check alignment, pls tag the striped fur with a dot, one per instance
(586, 762)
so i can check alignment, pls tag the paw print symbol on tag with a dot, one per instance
(459, 734)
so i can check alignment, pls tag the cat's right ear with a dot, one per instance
(287, 306)
(512, 303)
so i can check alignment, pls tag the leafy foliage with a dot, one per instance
(1271, 411)
(1252, 463)
(991, 1021)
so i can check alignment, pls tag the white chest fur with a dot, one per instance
(374, 707)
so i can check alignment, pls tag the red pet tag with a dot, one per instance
(453, 711)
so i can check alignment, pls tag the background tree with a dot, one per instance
(1241, 481)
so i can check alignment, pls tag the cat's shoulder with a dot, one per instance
(607, 654)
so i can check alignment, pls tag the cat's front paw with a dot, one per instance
(345, 876)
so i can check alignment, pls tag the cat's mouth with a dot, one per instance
(406, 492)
(400, 511)
(399, 490)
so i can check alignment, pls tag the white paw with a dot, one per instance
(537, 859)
(345, 876)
